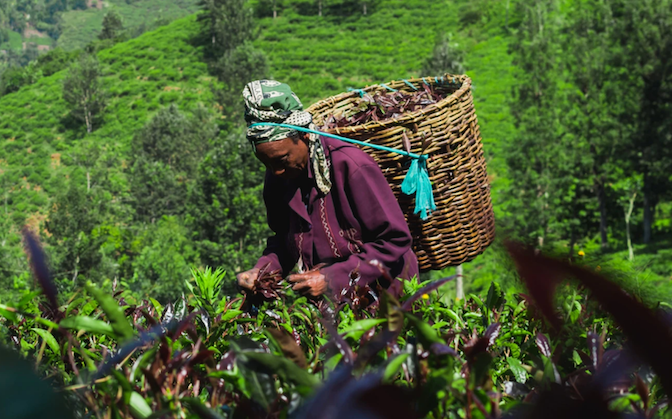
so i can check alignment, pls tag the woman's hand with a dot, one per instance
(312, 283)
(248, 278)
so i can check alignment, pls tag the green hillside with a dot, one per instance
(163, 67)
(317, 56)
(79, 27)
(142, 75)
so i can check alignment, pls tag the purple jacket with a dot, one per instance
(359, 220)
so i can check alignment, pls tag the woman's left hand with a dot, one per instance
(312, 283)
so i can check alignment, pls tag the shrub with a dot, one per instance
(218, 356)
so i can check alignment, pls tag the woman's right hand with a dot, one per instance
(248, 278)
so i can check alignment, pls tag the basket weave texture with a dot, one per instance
(463, 224)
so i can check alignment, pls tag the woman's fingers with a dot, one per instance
(246, 279)
(299, 277)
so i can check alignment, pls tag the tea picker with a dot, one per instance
(393, 173)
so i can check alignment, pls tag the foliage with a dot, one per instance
(226, 205)
(165, 155)
(489, 356)
(82, 91)
(228, 28)
(112, 26)
(447, 57)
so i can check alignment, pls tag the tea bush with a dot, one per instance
(215, 355)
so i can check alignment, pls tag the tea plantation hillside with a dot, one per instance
(317, 57)
(41, 146)
(141, 76)
(81, 26)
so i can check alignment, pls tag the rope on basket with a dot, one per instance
(417, 178)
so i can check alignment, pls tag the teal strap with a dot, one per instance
(417, 178)
(360, 91)
(388, 87)
(410, 84)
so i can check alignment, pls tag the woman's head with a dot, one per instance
(287, 158)
(284, 150)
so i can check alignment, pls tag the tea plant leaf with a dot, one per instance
(138, 406)
(49, 339)
(230, 315)
(283, 367)
(289, 347)
(259, 387)
(408, 304)
(394, 366)
(88, 324)
(199, 409)
(357, 329)
(114, 313)
(38, 262)
(426, 335)
(495, 296)
(517, 369)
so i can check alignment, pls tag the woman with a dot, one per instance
(328, 203)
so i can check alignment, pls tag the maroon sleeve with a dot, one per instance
(277, 214)
(385, 233)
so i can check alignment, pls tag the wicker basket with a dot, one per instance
(463, 224)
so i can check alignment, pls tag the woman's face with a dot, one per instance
(286, 158)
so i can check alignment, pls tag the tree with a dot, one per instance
(229, 29)
(112, 26)
(644, 34)
(537, 163)
(165, 157)
(447, 57)
(226, 209)
(594, 99)
(227, 24)
(75, 213)
(82, 91)
(162, 265)
(236, 68)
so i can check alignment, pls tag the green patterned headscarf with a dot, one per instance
(272, 101)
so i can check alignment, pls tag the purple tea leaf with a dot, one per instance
(596, 349)
(441, 349)
(492, 332)
(543, 345)
(38, 262)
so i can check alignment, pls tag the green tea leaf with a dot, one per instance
(426, 335)
(122, 327)
(138, 406)
(258, 386)
(88, 324)
(576, 358)
(517, 369)
(357, 329)
(495, 296)
(200, 409)
(394, 366)
(49, 339)
(231, 314)
(283, 367)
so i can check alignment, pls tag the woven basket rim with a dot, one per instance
(407, 117)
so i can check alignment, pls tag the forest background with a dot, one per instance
(123, 146)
